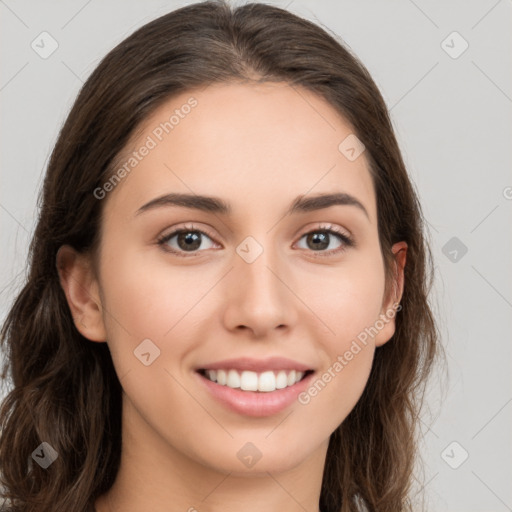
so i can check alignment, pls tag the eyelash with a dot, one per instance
(347, 241)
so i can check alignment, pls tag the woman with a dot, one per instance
(227, 300)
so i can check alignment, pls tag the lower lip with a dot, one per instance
(256, 403)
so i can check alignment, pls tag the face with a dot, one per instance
(276, 276)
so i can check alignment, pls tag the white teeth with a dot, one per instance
(252, 381)
(233, 379)
(281, 380)
(248, 380)
(221, 377)
(266, 381)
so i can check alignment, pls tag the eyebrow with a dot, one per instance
(301, 204)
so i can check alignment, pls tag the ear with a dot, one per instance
(391, 304)
(82, 292)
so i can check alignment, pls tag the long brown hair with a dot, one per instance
(64, 388)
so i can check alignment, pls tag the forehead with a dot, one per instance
(252, 142)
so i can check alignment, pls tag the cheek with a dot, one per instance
(145, 298)
(349, 306)
(347, 358)
(347, 299)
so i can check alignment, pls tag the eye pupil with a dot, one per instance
(320, 239)
(189, 240)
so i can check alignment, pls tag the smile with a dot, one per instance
(262, 396)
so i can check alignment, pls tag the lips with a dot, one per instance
(255, 387)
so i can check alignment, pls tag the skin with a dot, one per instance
(257, 147)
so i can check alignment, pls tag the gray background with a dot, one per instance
(452, 117)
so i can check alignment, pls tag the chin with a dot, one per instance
(257, 457)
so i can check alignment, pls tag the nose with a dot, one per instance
(260, 297)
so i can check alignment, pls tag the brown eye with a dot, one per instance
(318, 240)
(185, 240)
(326, 241)
(189, 240)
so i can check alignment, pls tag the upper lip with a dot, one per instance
(257, 365)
